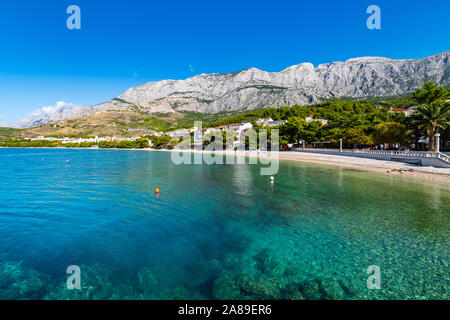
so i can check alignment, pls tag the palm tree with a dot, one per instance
(432, 117)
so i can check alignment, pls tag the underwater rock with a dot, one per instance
(349, 291)
(325, 289)
(265, 262)
(233, 262)
(96, 284)
(207, 288)
(146, 281)
(331, 290)
(290, 271)
(125, 292)
(310, 289)
(226, 288)
(180, 293)
(202, 271)
(148, 286)
(145, 285)
(215, 267)
(262, 287)
(291, 292)
(20, 282)
(247, 276)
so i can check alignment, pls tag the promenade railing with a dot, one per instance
(412, 154)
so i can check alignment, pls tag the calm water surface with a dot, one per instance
(214, 232)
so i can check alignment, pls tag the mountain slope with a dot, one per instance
(300, 84)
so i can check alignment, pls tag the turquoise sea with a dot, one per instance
(214, 231)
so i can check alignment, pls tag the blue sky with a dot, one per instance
(123, 44)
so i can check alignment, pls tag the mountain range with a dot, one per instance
(252, 88)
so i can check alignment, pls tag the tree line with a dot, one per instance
(137, 144)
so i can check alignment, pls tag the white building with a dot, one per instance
(312, 119)
(241, 130)
(263, 121)
(97, 139)
(178, 133)
(276, 123)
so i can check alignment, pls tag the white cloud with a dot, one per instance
(56, 109)
(50, 113)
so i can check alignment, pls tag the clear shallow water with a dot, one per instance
(214, 232)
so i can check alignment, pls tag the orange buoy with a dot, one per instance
(157, 190)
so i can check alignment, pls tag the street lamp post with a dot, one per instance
(438, 142)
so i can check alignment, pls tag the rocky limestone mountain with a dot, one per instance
(300, 84)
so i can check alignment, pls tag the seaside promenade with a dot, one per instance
(420, 158)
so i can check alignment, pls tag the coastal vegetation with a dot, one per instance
(433, 115)
(391, 133)
(138, 144)
(7, 133)
(160, 142)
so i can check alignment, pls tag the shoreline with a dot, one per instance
(373, 165)
(347, 162)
